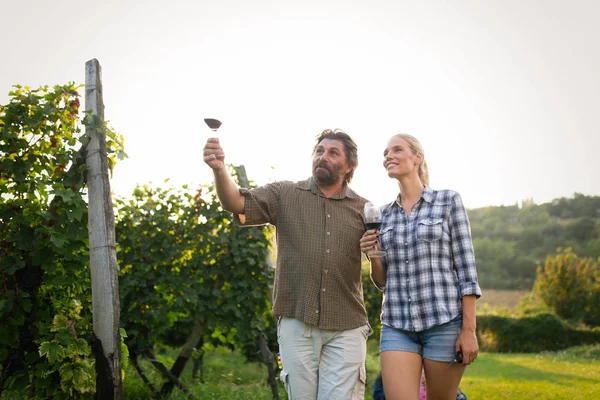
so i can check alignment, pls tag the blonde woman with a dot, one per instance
(429, 280)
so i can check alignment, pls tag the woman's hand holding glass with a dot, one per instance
(369, 242)
(373, 219)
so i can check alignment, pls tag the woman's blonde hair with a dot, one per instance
(416, 148)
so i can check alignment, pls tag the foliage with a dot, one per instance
(373, 298)
(531, 304)
(570, 286)
(184, 261)
(510, 241)
(530, 334)
(45, 299)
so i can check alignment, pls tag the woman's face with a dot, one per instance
(399, 160)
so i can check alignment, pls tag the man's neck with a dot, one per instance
(330, 191)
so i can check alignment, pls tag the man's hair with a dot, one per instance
(350, 148)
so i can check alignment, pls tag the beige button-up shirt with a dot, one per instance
(318, 275)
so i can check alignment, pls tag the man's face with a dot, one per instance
(329, 163)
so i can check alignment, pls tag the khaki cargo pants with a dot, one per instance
(320, 364)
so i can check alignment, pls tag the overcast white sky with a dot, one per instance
(504, 95)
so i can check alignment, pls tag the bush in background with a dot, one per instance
(570, 286)
(530, 334)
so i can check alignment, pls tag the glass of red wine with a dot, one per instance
(373, 220)
(213, 124)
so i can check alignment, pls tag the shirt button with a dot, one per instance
(406, 244)
(328, 233)
(325, 271)
(408, 300)
(407, 280)
(323, 289)
(316, 311)
(407, 261)
(328, 253)
(328, 216)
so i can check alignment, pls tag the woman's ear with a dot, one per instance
(419, 158)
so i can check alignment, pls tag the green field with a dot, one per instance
(571, 374)
(501, 298)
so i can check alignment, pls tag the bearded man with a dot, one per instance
(317, 297)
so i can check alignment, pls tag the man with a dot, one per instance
(318, 298)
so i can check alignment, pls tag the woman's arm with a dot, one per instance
(464, 260)
(370, 242)
(467, 338)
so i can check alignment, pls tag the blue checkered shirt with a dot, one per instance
(430, 263)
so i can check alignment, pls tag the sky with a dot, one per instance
(503, 95)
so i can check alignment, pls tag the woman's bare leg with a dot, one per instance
(442, 382)
(401, 372)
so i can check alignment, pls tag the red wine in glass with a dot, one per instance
(373, 225)
(373, 219)
(213, 124)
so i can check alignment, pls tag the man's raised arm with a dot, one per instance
(227, 190)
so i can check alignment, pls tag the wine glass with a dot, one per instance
(213, 124)
(373, 220)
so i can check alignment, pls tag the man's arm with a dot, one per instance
(227, 190)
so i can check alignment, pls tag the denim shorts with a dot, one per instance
(437, 343)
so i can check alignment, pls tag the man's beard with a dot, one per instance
(329, 177)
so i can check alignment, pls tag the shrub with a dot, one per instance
(530, 334)
(570, 285)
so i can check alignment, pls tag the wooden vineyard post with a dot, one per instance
(103, 258)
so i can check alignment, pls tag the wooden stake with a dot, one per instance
(103, 257)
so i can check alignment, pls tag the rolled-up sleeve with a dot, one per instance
(462, 249)
(260, 205)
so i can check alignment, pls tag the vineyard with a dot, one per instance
(191, 281)
(187, 274)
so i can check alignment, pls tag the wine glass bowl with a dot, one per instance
(373, 219)
(213, 124)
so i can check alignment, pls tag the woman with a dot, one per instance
(429, 280)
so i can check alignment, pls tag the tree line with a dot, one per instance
(512, 241)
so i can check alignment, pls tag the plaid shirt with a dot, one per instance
(430, 263)
(318, 276)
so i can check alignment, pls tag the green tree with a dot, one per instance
(570, 285)
(511, 240)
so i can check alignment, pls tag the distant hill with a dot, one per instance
(510, 241)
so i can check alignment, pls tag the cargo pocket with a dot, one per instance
(285, 379)
(358, 393)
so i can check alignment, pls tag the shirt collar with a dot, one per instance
(427, 195)
(310, 184)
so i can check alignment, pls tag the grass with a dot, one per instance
(563, 375)
(227, 376)
(570, 374)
